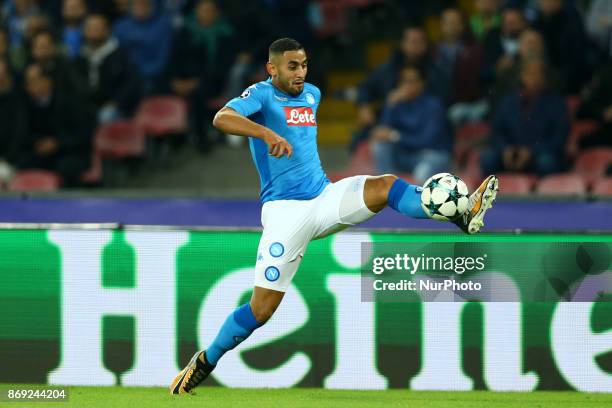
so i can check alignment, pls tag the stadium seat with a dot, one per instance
(562, 184)
(603, 186)
(573, 103)
(334, 18)
(593, 163)
(162, 115)
(578, 130)
(467, 138)
(473, 131)
(362, 153)
(472, 164)
(120, 140)
(35, 180)
(93, 175)
(515, 183)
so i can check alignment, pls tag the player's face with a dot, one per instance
(289, 71)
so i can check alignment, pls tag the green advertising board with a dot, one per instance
(130, 307)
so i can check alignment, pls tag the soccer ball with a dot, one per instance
(444, 197)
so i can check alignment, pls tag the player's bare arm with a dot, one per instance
(231, 122)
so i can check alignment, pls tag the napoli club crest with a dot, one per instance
(310, 98)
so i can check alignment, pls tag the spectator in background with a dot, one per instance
(501, 45)
(113, 81)
(4, 45)
(14, 14)
(529, 128)
(73, 13)
(413, 51)
(485, 18)
(59, 128)
(12, 120)
(413, 134)
(45, 52)
(599, 25)
(146, 35)
(597, 105)
(20, 54)
(459, 60)
(508, 75)
(204, 53)
(121, 8)
(177, 9)
(566, 43)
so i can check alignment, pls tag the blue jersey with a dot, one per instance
(300, 177)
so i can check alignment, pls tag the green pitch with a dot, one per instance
(118, 397)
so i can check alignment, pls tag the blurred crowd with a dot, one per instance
(68, 67)
(524, 70)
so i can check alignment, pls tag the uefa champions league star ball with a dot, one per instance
(444, 197)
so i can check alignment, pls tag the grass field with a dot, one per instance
(119, 397)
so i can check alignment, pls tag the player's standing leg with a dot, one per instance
(237, 327)
(282, 245)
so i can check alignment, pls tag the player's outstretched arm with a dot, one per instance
(231, 122)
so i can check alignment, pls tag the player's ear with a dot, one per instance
(271, 68)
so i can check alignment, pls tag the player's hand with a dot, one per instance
(277, 145)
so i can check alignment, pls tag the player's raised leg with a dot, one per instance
(405, 198)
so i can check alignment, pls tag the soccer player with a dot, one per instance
(299, 202)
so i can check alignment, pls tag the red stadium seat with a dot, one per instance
(93, 175)
(362, 161)
(573, 103)
(579, 129)
(467, 138)
(473, 131)
(35, 180)
(119, 140)
(472, 164)
(603, 186)
(562, 184)
(515, 183)
(593, 163)
(163, 115)
(334, 18)
(362, 153)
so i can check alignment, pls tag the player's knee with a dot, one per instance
(387, 181)
(381, 185)
(377, 190)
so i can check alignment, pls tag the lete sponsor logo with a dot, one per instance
(300, 116)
